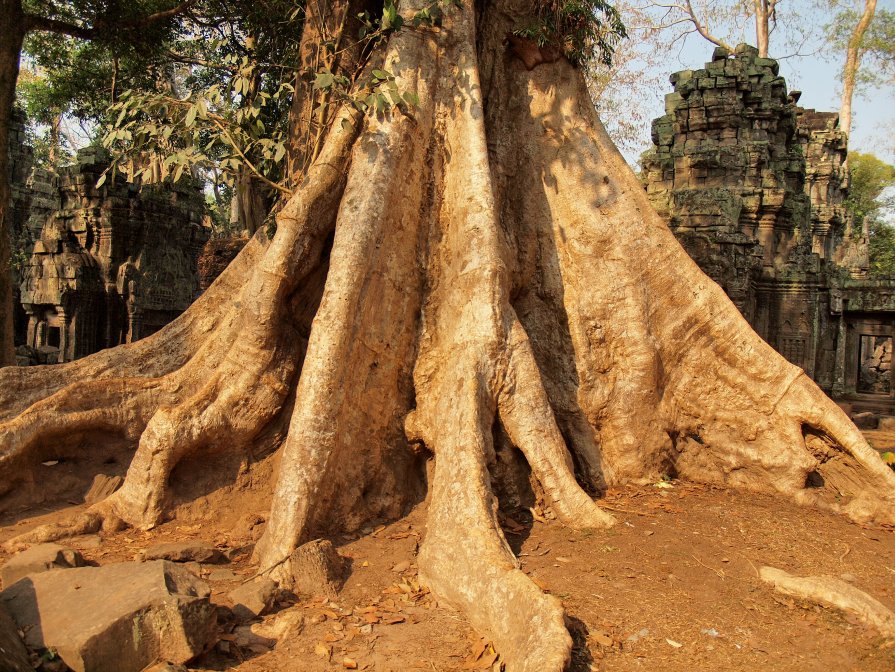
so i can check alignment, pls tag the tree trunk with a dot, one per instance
(12, 18)
(761, 27)
(483, 264)
(311, 113)
(852, 63)
(250, 204)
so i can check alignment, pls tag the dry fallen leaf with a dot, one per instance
(349, 663)
(673, 643)
(321, 650)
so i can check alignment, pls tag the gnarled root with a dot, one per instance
(465, 559)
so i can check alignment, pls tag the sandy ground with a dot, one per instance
(673, 586)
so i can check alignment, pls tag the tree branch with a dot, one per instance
(701, 29)
(35, 22)
(161, 16)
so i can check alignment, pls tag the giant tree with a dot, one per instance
(475, 282)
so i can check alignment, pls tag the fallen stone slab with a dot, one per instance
(185, 551)
(115, 618)
(13, 654)
(254, 598)
(223, 575)
(86, 541)
(39, 558)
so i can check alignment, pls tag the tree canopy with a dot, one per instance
(871, 199)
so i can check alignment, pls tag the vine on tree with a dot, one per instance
(582, 30)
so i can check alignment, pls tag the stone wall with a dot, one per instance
(753, 186)
(216, 256)
(111, 264)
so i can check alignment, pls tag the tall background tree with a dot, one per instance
(853, 62)
(871, 199)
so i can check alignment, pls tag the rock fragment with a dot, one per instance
(39, 558)
(103, 486)
(116, 618)
(314, 568)
(254, 598)
(185, 551)
(13, 654)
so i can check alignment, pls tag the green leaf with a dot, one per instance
(324, 80)
(190, 116)
(101, 181)
(280, 153)
(381, 74)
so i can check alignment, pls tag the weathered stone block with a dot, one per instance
(13, 654)
(185, 551)
(117, 618)
(254, 598)
(37, 559)
(315, 568)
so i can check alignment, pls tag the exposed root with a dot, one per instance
(234, 383)
(354, 389)
(530, 423)
(113, 406)
(152, 357)
(833, 592)
(465, 559)
(88, 522)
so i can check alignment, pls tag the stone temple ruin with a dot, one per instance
(753, 186)
(101, 265)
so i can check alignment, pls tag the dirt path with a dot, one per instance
(673, 587)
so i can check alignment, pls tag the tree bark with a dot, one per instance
(250, 204)
(311, 111)
(852, 63)
(482, 264)
(761, 27)
(12, 18)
